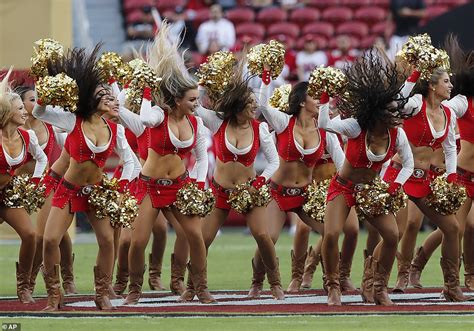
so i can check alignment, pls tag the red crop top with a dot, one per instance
(143, 141)
(49, 144)
(132, 140)
(5, 168)
(287, 149)
(77, 147)
(225, 155)
(160, 140)
(418, 129)
(356, 151)
(466, 123)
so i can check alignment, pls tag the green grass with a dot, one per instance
(229, 268)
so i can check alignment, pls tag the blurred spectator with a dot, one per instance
(217, 29)
(181, 27)
(343, 54)
(403, 19)
(144, 28)
(309, 58)
(227, 4)
(291, 4)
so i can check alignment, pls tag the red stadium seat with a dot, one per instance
(355, 3)
(322, 4)
(240, 15)
(271, 15)
(164, 5)
(357, 29)
(432, 12)
(355, 43)
(379, 28)
(368, 41)
(322, 28)
(129, 5)
(290, 29)
(254, 30)
(337, 14)
(370, 15)
(303, 16)
(201, 16)
(321, 41)
(381, 3)
(134, 16)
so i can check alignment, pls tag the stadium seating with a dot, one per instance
(322, 28)
(164, 5)
(370, 15)
(255, 30)
(432, 12)
(321, 41)
(337, 14)
(356, 29)
(355, 3)
(290, 29)
(271, 15)
(322, 4)
(240, 15)
(129, 5)
(302, 16)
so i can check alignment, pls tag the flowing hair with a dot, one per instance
(80, 66)
(7, 97)
(374, 86)
(166, 60)
(462, 67)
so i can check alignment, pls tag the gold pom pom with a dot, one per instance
(280, 98)
(372, 199)
(22, 193)
(128, 211)
(111, 65)
(60, 90)
(216, 73)
(326, 79)
(142, 76)
(48, 49)
(271, 54)
(105, 198)
(315, 199)
(240, 199)
(190, 200)
(397, 202)
(261, 197)
(446, 198)
(420, 53)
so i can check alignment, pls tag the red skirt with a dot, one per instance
(51, 181)
(417, 186)
(344, 187)
(162, 191)
(466, 179)
(221, 194)
(287, 198)
(74, 195)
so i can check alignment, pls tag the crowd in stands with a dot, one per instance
(315, 32)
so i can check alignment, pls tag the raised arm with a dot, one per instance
(269, 150)
(347, 127)
(200, 150)
(150, 116)
(37, 152)
(131, 121)
(277, 119)
(457, 104)
(413, 106)
(335, 150)
(55, 116)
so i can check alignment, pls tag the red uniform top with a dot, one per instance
(160, 140)
(287, 149)
(466, 123)
(143, 141)
(5, 168)
(356, 151)
(49, 144)
(225, 155)
(132, 140)
(77, 147)
(418, 129)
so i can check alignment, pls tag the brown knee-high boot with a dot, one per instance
(68, 277)
(452, 291)
(258, 276)
(345, 276)
(297, 269)
(121, 280)
(311, 263)
(102, 282)
(135, 287)
(416, 267)
(34, 274)
(23, 276)
(154, 274)
(199, 278)
(274, 279)
(469, 275)
(178, 270)
(381, 277)
(367, 286)
(53, 288)
(402, 276)
(333, 289)
(189, 293)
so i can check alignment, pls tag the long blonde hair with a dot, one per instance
(166, 60)
(6, 99)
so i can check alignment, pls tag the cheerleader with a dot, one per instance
(373, 138)
(90, 142)
(138, 136)
(238, 137)
(16, 145)
(174, 132)
(47, 137)
(431, 126)
(300, 144)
